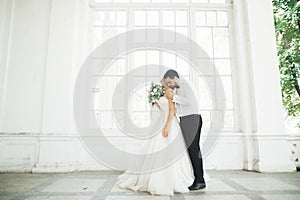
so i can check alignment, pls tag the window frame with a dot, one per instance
(191, 9)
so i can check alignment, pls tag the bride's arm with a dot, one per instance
(157, 105)
(172, 111)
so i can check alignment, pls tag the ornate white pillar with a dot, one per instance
(59, 142)
(266, 146)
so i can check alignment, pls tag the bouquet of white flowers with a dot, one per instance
(156, 91)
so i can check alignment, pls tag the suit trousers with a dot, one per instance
(191, 129)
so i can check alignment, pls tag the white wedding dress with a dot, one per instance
(175, 177)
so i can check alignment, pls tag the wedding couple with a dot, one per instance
(179, 105)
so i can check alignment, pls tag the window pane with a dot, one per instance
(122, 1)
(182, 66)
(99, 18)
(121, 18)
(109, 18)
(222, 18)
(139, 58)
(205, 98)
(211, 18)
(103, 1)
(152, 57)
(227, 85)
(169, 37)
(109, 32)
(105, 119)
(200, 1)
(206, 66)
(217, 1)
(168, 59)
(120, 119)
(138, 38)
(200, 18)
(107, 86)
(204, 38)
(140, 1)
(181, 18)
(221, 43)
(140, 18)
(223, 66)
(206, 122)
(153, 37)
(168, 18)
(137, 101)
(160, 1)
(112, 69)
(152, 18)
(183, 31)
(122, 67)
(180, 1)
(228, 119)
(98, 37)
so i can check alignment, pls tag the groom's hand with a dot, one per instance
(170, 94)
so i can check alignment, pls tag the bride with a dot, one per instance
(174, 176)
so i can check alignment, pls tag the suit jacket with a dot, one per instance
(185, 98)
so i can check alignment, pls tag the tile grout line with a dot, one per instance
(105, 190)
(249, 193)
(34, 190)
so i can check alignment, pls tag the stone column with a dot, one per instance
(59, 144)
(266, 145)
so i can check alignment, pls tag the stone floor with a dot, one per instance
(223, 185)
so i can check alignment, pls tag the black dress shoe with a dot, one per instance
(197, 186)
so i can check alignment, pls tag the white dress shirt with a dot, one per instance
(185, 98)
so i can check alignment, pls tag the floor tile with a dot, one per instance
(218, 185)
(282, 196)
(215, 185)
(59, 198)
(263, 184)
(19, 184)
(225, 185)
(75, 185)
(150, 197)
(6, 197)
(217, 197)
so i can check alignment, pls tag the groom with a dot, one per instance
(190, 122)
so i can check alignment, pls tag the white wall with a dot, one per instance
(42, 46)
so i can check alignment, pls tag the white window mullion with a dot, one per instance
(160, 52)
(191, 21)
(130, 56)
(235, 95)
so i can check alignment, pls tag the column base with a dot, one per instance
(268, 153)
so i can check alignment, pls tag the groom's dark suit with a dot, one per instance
(191, 123)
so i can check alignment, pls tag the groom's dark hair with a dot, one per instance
(171, 73)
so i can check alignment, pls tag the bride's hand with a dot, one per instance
(169, 93)
(165, 132)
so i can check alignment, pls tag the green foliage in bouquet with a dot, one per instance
(156, 91)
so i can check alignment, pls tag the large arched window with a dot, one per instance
(205, 21)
